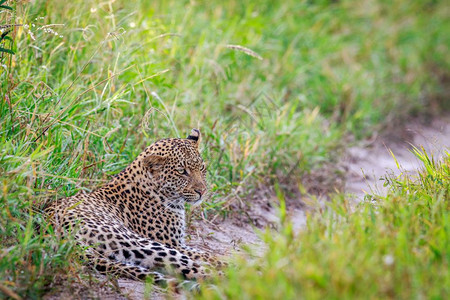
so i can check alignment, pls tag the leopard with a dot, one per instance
(135, 225)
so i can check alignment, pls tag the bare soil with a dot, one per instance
(367, 165)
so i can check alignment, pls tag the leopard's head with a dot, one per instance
(176, 169)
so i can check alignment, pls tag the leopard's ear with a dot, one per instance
(194, 136)
(153, 161)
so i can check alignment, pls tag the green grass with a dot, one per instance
(78, 103)
(392, 247)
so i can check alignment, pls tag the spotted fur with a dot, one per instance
(135, 224)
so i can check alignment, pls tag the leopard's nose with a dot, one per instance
(200, 192)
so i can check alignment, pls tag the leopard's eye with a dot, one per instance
(182, 171)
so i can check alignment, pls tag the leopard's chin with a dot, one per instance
(196, 202)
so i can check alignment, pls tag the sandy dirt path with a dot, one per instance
(366, 166)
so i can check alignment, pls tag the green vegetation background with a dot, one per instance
(277, 88)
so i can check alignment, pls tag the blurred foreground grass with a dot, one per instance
(276, 87)
(392, 247)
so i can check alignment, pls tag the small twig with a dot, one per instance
(9, 292)
(10, 25)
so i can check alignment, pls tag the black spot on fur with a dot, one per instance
(126, 254)
(138, 254)
(141, 276)
(185, 271)
(100, 268)
(147, 251)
